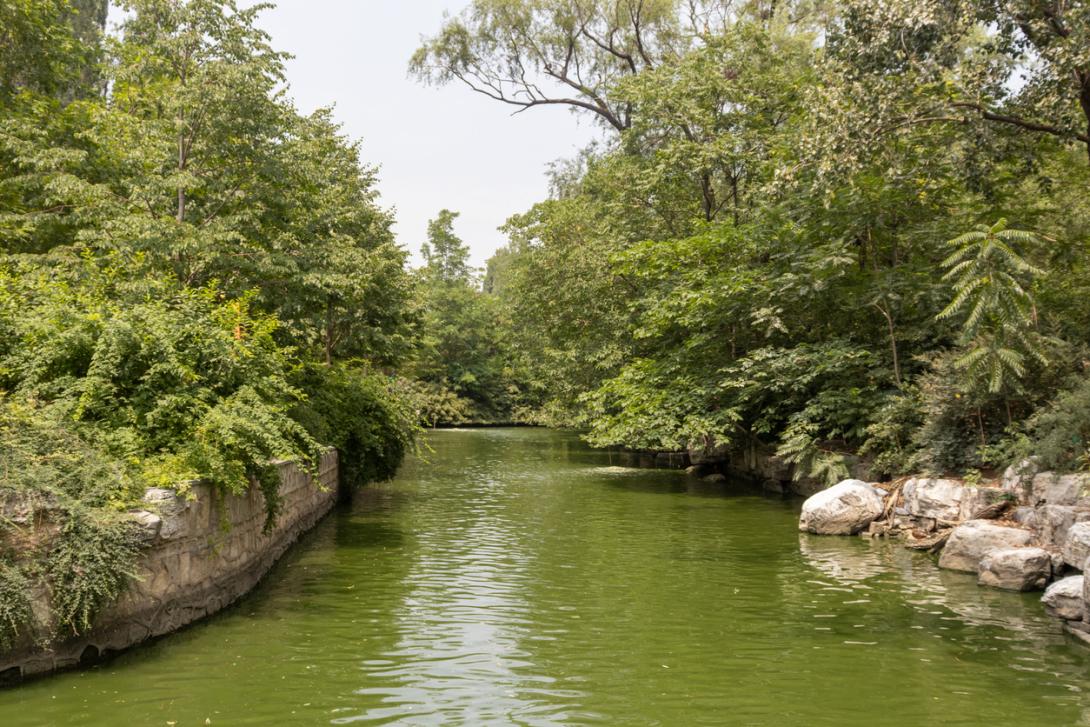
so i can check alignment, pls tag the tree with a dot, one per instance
(532, 53)
(446, 256)
(45, 45)
(988, 275)
(463, 350)
(1020, 67)
(325, 258)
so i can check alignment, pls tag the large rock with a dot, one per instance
(1016, 569)
(171, 508)
(1076, 547)
(934, 498)
(1053, 522)
(974, 499)
(971, 541)
(1085, 597)
(1017, 478)
(1025, 516)
(1064, 598)
(844, 509)
(1053, 489)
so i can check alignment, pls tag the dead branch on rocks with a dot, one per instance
(992, 512)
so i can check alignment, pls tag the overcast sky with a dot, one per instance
(437, 147)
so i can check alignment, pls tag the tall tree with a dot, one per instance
(446, 256)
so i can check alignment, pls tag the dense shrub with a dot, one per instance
(363, 413)
(178, 383)
(47, 467)
(15, 610)
(1059, 433)
(89, 565)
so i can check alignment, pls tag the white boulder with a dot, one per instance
(1016, 569)
(1076, 547)
(934, 498)
(971, 541)
(843, 509)
(1053, 489)
(1053, 522)
(1017, 478)
(1064, 598)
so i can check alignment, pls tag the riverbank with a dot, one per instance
(1028, 531)
(201, 552)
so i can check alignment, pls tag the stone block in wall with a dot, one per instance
(708, 453)
(207, 552)
(150, 524)
(173, 510)
(20, 507)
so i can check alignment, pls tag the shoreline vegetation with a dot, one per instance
(820, 239)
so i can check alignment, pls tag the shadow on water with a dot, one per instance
(673, 482)
(357, 535)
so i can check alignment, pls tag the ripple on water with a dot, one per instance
(518, 578)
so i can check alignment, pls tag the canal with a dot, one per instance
(513, 576)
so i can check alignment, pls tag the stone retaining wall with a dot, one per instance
(203, 553)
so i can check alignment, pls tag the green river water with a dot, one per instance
(517, 577)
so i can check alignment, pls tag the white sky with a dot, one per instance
(437, 147)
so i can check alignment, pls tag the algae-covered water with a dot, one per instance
(516, 577)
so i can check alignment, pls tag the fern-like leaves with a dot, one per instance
(989, 278)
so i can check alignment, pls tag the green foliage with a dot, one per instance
(178, 247)
(366, 415)
(463, 357)
(891, 435)
(88, 567)
(446, 256)
(46, 465)
(15, 608)
(437, 405)
(985, 270)
(754, 255)
(1058, 434)
(40, 47)
(181, 383)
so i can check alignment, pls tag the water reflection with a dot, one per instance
(516, 577)
(464, 616)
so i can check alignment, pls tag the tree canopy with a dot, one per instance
(757, 253)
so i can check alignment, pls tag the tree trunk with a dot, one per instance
(329, 331)
(892, 343)
(181, 168)
(1084, 101)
